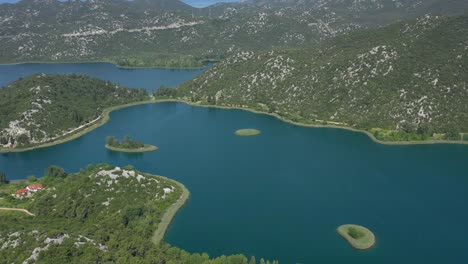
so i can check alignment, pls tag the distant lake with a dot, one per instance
(283, 193)
(150, 79)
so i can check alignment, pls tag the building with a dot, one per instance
(35, 187)
(28, 191)
(21, 193)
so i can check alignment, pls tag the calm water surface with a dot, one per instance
(149, 79)
(282, 194)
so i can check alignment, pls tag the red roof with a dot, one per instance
(21, 191)
(35, 187)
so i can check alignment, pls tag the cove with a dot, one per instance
(150, 78)
(283, 193)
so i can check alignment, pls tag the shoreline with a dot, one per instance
(106, 112)
(370, 135)
(101, 121)
(170, 213)
(146, 148)
(108, 62)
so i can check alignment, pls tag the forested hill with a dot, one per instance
(43, 107)
(103, 214)
(172, 34)
(409, 79)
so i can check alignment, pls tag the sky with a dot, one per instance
(196, 3)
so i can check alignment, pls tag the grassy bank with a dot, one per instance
(358, 237)
(247, 132)
(169, 215)
(146, 148)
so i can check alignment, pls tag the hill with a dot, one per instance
(407, 81)
(169, 33)
(43, 108)
(102, 214)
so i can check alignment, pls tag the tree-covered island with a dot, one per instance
(128, 145)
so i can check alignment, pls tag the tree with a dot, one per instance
(111, 141)
(164, 91)
(55, 172)
(23, 139)
(262, 261)
(32, 178)
(3, 140)
(3, 178)
(127, 140)
(252, 260)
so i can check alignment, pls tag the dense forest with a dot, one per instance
(102, 214)
(42, 108)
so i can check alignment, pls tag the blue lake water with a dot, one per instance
(150, 79)
(283, 193)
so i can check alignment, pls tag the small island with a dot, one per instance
(248, 132)
(128, 145)
(358, 236)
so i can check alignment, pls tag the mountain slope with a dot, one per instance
(170, 33)
(42, 108)
(409, 79)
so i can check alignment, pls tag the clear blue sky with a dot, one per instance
(197, 3)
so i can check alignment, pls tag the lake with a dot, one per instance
(283, 193)
(150, 78)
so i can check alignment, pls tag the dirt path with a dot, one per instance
(18, 210)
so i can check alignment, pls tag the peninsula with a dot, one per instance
(128, 145)
(103, 213)
(43, 110)
(358, 237)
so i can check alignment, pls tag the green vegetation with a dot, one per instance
(165, 33)
(102, 214)
(169, 216)
(355, 233)
(128, 145)
(55, 172)
(359, 237)
(247, 132)
(45, 108)
(165, 92)
(3, 178)
(385, 81)
(32, 178)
